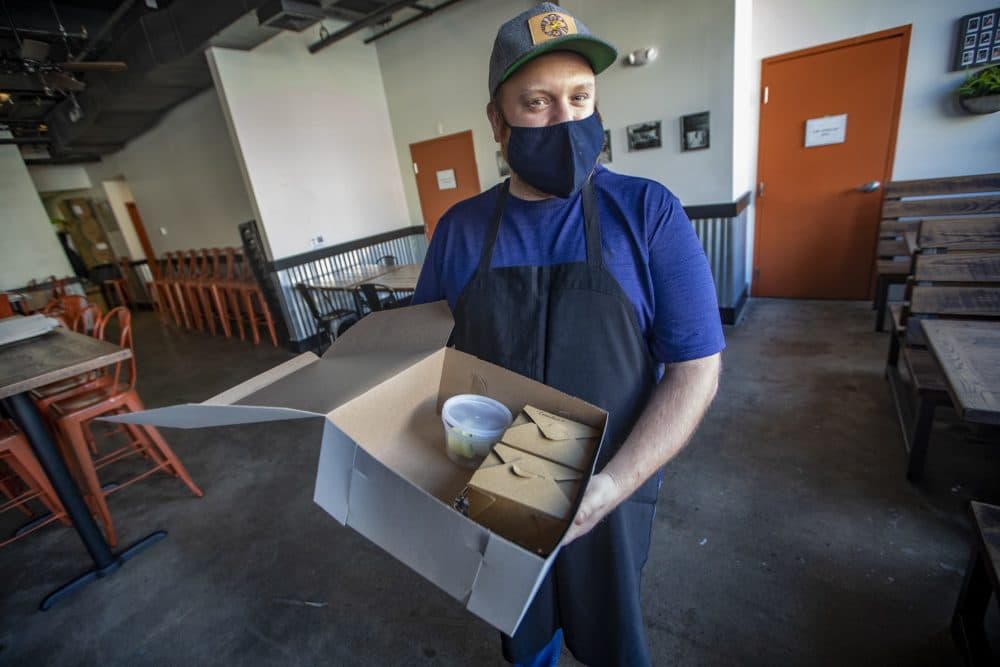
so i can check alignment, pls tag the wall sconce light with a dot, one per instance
(642, 56)
(4, 98)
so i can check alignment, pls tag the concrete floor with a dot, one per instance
(786, 533)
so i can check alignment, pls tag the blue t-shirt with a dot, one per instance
(648, 243)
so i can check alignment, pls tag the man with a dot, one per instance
(593, 283)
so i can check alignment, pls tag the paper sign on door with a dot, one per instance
(826, 130)
(446, 179)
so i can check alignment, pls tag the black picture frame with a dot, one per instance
(974, 32)
(695, 134)
(643, 136)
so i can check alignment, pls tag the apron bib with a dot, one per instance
(572, 327)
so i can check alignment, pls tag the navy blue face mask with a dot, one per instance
(556, 159)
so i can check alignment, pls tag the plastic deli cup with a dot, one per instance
(472, 425)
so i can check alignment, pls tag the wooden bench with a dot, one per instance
(979, 583)
(955, 285)
(907, 204)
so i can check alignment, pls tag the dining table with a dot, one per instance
(968, 353)
(401, 277)
(37, 361)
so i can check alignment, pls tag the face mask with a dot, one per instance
(556, 159)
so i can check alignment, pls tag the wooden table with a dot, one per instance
(38, 361)
(980, 582)
(968, 353)
(400, 278)
(351, 277)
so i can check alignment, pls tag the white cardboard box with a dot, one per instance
(382, 467)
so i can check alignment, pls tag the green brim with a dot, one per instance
(598, 53)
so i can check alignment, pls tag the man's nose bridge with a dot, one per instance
(564, 111)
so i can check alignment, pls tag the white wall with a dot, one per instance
(118, 193)
(185, 178)
(935, 137)
(28, 244)
(53, 178)
(314, 139)
(435, 75)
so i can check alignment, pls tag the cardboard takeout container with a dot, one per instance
(382, 468)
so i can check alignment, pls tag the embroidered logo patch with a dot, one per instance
(550, 26)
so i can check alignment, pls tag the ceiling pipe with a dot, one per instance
(425, 12)
(108, 26)
(370, 19)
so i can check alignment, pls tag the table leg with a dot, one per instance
(24, 412)
(967, 621)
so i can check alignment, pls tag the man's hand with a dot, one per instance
(602, 495)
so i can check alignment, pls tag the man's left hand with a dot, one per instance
(603, 494)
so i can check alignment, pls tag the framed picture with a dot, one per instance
(996, 54)
(694, 131)
(605, 156)
(976, 32)
(644, 135)
(502, 166)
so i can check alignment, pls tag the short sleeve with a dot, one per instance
(430, 284)
(686, 322)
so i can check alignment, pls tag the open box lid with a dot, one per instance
(378, 347)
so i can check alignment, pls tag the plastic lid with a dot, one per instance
(477, 415)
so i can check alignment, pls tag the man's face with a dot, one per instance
(551, 89)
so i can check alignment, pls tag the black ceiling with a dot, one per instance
(86, 114)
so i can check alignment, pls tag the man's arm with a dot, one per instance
(673, 413)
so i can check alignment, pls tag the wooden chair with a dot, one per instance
(6, 310)
(66, 308)
(956, 285)
(73, 416)
(907, 204)
(26, 482)
(116, 290)
(230, 285)
(86, 319)
(331, 318)
(254, 306)
(210, 292)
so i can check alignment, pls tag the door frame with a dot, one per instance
(902, 32)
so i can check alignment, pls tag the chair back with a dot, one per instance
(87, 319)
(6, 310)
(377, 297)
(66, 308)
(306, 294)
(121, 317)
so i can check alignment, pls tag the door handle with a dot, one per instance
(870, 186)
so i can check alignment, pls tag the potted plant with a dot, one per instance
(981, 91)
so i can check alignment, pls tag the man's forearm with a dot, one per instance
(669, 420)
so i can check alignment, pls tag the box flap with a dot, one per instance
(423, 328)
(199, 415)
(555, 438)
(529, 480)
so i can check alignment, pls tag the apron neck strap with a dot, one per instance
(591, 225)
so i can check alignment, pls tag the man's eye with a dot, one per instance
(581, 97)
(536, 103)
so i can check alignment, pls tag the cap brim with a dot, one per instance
(598, 53)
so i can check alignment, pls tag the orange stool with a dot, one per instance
(74, 415)
(27, 472)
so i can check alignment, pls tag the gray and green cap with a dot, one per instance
(543, 29)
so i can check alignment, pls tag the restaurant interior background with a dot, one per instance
(317, 145)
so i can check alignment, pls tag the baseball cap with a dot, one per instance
(542, 29)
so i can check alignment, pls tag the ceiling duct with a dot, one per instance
(294, 15)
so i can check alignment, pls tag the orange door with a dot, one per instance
(140, 232)
(818, 207)
(445, 169)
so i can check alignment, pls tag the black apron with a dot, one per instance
(572, 327)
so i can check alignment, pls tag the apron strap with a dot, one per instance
(491, 232)
(591, 224)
